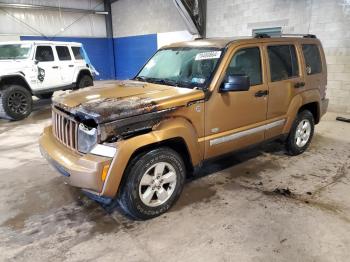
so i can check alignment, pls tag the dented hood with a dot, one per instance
(117, 100)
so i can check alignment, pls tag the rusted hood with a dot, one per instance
(123, 99)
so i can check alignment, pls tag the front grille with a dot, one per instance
(65, 129)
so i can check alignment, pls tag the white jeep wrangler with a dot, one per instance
(39, 68)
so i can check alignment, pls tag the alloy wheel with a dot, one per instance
(17, 102)
(157, 184)
(303, 133)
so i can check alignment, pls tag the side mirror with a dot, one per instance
(36, 62)
(235, 83)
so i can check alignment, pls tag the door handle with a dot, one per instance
(71, 65)
(261, 93)
(55, 67)
(299, 84)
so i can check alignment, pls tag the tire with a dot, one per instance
(15, 102)
(301, 133)
(45, 96)
(150, 200)
(84, 81)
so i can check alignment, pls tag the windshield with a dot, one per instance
(184, 67)
(16, 51)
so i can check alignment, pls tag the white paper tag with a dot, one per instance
(208, 55)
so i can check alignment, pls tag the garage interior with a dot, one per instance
(253, 205)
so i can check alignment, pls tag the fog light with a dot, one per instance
(104, 172)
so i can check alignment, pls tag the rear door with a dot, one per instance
(284, 80)
(66, 64)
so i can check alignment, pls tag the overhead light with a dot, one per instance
(101, 13)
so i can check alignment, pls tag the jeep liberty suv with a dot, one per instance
(135, 141)
(38, 68)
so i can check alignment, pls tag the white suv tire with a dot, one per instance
(15, 102)
(84, 81)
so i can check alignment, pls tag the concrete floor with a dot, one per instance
(229, 213)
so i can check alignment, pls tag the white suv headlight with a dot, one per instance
(87, 138)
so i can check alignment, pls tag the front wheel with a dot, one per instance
(153, 182)
(15, 102)
(301, 133)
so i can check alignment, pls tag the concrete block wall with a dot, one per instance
(328, 19)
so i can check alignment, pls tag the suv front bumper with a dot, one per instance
(83, 171)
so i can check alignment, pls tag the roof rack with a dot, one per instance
(302, 35)
(262, 35)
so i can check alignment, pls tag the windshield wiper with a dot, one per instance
(155, 80)
(176, 83)
(141, 78)
(166, 82)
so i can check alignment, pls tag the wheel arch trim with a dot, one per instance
(298, 102)
(15, 75)
(80, 72)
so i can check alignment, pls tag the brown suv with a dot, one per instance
(136, 141)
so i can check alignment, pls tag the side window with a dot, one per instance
(44, 54)
(312, 59)
(283, 62)
(247, 61)
(63, 53)
(77, 52)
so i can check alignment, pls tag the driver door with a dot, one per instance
(48, 69)
(235, 119)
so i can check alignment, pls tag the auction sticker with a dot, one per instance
(208, 55)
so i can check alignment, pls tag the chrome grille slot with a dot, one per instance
(65, 129)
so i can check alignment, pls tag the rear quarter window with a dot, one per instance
(77, 52)
(312, 58)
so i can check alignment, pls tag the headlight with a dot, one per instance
(87, 138)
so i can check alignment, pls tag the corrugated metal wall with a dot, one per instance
(53, 23)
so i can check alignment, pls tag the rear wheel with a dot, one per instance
(152, 184)
(84, 81)
(15, 102)
(301, 133)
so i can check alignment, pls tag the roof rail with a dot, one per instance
(261, 35)
(301, 35)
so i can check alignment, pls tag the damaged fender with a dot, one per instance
(168, 129)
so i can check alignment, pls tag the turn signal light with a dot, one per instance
(104, 172)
